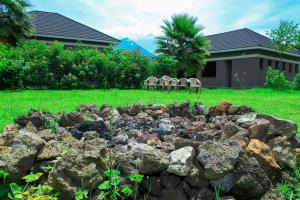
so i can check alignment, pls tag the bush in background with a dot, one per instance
(296, 82)
(34, 64)
(165, 65)
(276, 79)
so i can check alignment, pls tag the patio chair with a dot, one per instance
(167, 81)
(173, 83)
(182, 83)
(164, 82)
(150, 82)
(194, 83)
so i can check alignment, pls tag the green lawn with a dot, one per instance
(284, 104)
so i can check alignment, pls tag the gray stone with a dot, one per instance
(80, 169)
(272, 194)
(239, 110)
(282, 151)
(229, 130)
(247, 118)
(165, 126)
(46, 134)
(196, 177)
(225, 184)
(152, 185)
(174, 194)
(169, 181)
(227, 198)
(181, 142)
(218, 158)
(121, 139)
(90, 135)
(52, 150)
(281, 127)
(19, 153)
(203, 194)
(181, 161)
(152, 160)
(70, 119)
(260, 129)
(251, 181)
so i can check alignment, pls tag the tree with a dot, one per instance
(297, 46)
(284, 36)
(15, 22)
(182, 39)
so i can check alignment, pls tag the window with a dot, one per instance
(276, 65)
(290, 68)
(269, 63)
(283, 66)
(210, 70)
(296, 69)
(261, 64)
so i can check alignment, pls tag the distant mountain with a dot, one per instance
(129, 45)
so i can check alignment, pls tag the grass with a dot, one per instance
(284, 104)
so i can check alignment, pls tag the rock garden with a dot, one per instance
(155, 152)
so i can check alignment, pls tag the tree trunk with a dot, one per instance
(180, 73)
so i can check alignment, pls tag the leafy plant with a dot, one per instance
(81, 194)
(136, 179)
(285, 190)
(276, 79)
(112, 187)
(296, 82)
(4, 188)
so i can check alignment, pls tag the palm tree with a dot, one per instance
(15, 22)
(182, 39)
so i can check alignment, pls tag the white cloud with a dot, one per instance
(140, 20)
(136, 18)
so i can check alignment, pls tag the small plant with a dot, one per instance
(136, 179)
(291, 192)
(286, 190)
(275, 79)
(4, 188)
(296, 82)
(217, 191)
(81, 194)
(52, 124)
(111, 187)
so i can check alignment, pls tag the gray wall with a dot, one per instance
(246, 72)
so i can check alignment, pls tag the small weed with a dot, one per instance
(217, 191)
(81, 194)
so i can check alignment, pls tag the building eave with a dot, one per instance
(77, 39)
(255, 48)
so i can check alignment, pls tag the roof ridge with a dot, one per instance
(86, 26)
(252, 37)
(254, 32)
(228, 32)
(76, 23)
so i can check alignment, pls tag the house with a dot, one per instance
(129, 45)
(240, 58)
(51, 27)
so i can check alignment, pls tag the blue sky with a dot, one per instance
(140, 20)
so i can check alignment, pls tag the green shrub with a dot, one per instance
(296, 82)
(33, 64)
(276, 79)
(165, 65)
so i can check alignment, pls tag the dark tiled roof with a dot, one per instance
(57, 25)
(239, 39)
